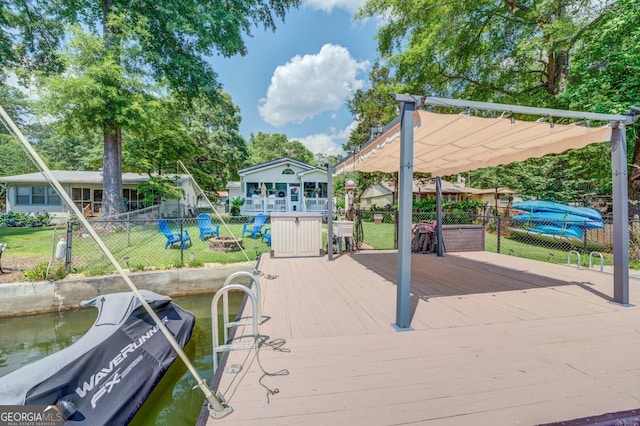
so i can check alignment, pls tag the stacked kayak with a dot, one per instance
(553, 222)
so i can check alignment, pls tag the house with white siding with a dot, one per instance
(283, 185)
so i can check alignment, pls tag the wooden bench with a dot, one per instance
(3, 246)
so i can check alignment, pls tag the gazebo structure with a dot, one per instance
(446, 144)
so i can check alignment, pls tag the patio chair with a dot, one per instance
(254, 228)
(207, 229)
(266, 236)
(174, 237)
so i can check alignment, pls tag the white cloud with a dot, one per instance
(328, 5)
(327, 143)
(311, 84)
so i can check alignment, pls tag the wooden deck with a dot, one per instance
(495, 340)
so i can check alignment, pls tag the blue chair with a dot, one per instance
(266, 236)
(174, 237)
(207, 229)
(254, 228)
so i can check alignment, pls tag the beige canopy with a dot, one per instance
(446, 144)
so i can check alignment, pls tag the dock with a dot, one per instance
(494, 340)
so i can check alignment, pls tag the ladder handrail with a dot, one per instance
(227, 346)
(256, 289)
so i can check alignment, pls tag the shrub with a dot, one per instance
(236, 203)
(39, 272)
(33, 219)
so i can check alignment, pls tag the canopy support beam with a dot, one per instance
(408, 104)
(439, 230)
(620, 214)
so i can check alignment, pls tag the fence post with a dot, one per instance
(181, 239)
(67, 255)
(499, 233)
(395, 230)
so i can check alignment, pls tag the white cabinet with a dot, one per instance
(296, 234)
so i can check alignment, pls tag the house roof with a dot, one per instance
(500, 191)
(429, 186)
(278, 162)
(81, 177)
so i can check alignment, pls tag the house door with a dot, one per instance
(294, 196)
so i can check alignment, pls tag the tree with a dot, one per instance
(605, 74)
(215, 129)
(14, 159)
(542, 53)
(373, 108)
(165, 42)
(158, 138)
(264, 147)
(507, 51)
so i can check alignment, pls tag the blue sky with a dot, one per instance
(297, 79)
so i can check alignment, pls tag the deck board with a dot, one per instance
(495, 340)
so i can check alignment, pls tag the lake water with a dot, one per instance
(173, 402)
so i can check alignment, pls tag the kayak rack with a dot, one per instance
(597, 253)
(569, 258)
(253, 295)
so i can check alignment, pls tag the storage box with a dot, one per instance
(463, 238)
(296, 234)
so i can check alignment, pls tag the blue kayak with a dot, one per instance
(560, 220)
(539, 206)
(569, 231)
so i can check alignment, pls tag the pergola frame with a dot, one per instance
(408, 105)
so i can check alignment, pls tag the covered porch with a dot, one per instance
(281, 186)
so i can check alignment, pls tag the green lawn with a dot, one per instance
(545, 253)
(138, 247)
(142, 247)
(380, 236)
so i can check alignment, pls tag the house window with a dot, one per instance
(37, 195)
(253, 188)
(53, 198)
(130, 199)
(23, 195)
(81, 197)
(315, 190)
(288, 172)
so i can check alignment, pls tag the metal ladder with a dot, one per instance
(253, 294)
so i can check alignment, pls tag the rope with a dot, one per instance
(276, 345)
(267, 276)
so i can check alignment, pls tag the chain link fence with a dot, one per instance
(137, 243)
(556, 242)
